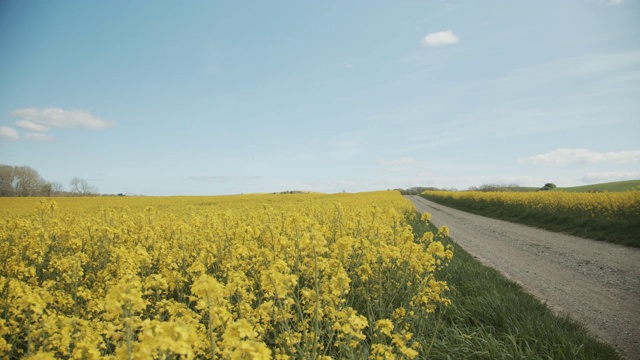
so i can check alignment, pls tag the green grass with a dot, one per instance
(610, 186)
(494, 318)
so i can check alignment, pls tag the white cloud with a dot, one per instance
(574, 67)
(600, 177)
(59, 118)
(351, 185)
(28, 125)
(39, 137)
(513, 180)
(440, 38)
(38, 122)
(513, 103)
(403, 161)
(582, 156)
(8, 133)
(224, 178)
(615, 2)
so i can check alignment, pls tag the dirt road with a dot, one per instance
(596, 283)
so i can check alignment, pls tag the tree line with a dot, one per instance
(417, 190)
(25, 181)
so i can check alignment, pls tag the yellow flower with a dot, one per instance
(41, 355)
(125, 298)
(385, 326)
(443, 231)
(251, 350)
(382, 352)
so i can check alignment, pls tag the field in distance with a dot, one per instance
(616, 186)
(588, 212)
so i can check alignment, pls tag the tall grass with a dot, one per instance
(491, 317)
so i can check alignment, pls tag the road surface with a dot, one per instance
(596, 283)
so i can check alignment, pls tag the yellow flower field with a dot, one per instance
(230, 277)
(604, 205)
(606, 216)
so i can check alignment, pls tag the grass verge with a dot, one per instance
(491, 317)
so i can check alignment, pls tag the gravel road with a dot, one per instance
(596, 283)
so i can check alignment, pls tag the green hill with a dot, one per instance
(610, 186)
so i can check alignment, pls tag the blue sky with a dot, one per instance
(224, 97)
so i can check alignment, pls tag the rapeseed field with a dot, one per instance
(230, 277)
(607, 216)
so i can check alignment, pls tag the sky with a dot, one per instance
(228, 97)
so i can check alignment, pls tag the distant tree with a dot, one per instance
(27, 181)
(499, 187)
(82, 187)
(417, 190)
(46, 189)
(7, 178)
(57, 188)
(548, 186)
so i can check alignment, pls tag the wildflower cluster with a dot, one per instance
(243, 277)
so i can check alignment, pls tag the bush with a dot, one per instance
(548, 186)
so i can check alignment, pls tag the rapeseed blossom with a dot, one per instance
(603, 205)
(230, 277)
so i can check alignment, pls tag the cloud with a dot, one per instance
(38, 122)
(223, 178)
(615, 2)
(581, 156)
(351, 185)
(440, 38)
(586, 91)
(8, 133)
(38, 137)
(28, 125)
(59, 118)
(513, 180)
(599, 177)
(403, 161)
(559, 71)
